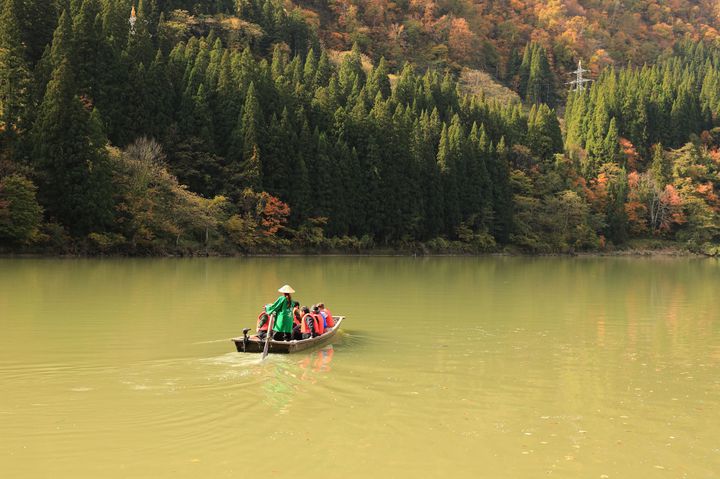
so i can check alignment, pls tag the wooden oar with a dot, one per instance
(267, 338)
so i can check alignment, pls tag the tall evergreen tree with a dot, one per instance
(250, 123)
(611, 144)
(617, 221)
(88, 51)
(14, 77)
(544, 136)
(502, 193)
(540, 86)
(75, 183)
(38, 23)
(661, 166)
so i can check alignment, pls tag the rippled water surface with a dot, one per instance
(445, 367)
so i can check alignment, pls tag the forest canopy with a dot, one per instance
(263, 126)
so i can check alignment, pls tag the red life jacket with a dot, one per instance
(330, 321)
(303, 324)
(264, 327)
(319, 323)
(296, 317)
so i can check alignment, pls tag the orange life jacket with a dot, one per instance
(264, 327)
(330, 321)
(297, 316)
(319, 323)
(304, 326)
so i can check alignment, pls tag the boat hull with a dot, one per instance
(256, 345)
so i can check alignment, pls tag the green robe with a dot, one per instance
(283, 315)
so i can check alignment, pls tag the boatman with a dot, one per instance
(282, 309)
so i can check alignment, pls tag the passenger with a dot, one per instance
(296, 312)
(307, 324)
(263, 322)
(323, 315)
(319, 321)
(297, 320)
(329, 320)
(282, 309)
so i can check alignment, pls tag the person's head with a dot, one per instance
(321, 306)
(315, 310)
(287, 291)
(305, 310)
(296, 304)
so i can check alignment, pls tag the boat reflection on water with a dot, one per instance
(284, 379)
(316, 362)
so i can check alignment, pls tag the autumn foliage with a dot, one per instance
(274, 214)
(427, 125)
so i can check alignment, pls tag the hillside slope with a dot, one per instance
(491, 34)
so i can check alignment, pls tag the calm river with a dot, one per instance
(445, 367)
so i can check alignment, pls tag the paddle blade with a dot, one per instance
(266, 349)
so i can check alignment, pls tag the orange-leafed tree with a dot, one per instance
(274, 214)
(632, 157)
(707, 192)
(461, 41)
(635, 207)
(652, 207)
(669, 211)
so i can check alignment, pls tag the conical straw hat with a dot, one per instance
(286, 289)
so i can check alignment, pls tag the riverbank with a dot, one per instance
(634, 248)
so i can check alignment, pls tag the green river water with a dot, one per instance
(445, 367)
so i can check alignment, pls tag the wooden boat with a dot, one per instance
(253, 344)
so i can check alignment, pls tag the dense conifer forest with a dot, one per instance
(263, 126)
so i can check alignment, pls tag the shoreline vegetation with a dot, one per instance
(636, 248)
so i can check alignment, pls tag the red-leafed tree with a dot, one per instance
(274, 214)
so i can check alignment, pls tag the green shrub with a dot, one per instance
(20, 213)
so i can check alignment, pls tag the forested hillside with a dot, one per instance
(492, 34)
(263, 126)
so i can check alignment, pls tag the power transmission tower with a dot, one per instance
(132, 20)
(578, 84)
